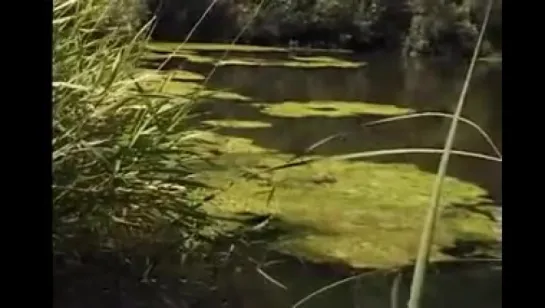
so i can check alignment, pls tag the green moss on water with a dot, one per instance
(166, 46)
(329, 109)
(322, 59)
(186, 88)
(296, 62)
(237, 124)
(177, 74)
(293, 64)
(367, 214)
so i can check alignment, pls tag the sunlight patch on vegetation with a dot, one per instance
(329, 109)
(364, 213)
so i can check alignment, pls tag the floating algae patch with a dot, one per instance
(237, 124)
(314, 59)
(226, 95)
(309, 62)
(186, 88)
(329, 109)
(230, 145)
(367, 214)
(166, 46)
(181, 55)
(328, 61)
(175, 74)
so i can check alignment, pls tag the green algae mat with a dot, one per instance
(168, 47)
(328, 109)
(366, 214)
(192, 52)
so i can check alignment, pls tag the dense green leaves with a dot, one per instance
(432, 27)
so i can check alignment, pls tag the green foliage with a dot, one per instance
(426, 27)
(121, 175)
(442, 29)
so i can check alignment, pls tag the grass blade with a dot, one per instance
(440, 114)
(377, 153)
(428, 231)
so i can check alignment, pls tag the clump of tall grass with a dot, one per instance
(122, 175)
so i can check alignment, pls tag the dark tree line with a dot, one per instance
(419, 26)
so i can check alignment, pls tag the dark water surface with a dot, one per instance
(419, 85)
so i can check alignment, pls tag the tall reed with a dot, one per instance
(122, 172)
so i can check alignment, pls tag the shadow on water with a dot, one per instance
(253, 276)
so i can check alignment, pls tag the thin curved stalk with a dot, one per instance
(195, 94)
(440, 114)
(189, 35)
(384, 153)
(325, 140)
(431, 218)
(329, 287)
(394, 292)
(400, 269)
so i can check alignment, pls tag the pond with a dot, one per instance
(265, 106)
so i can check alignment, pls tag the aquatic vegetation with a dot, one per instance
(293, 64)
(309, 62)
(186, 88)
(175, 74)
(237, 124)
(167, 47)
(329, 109)
(190, 52)
(322, 59)
(369, 214)
(361, 212)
